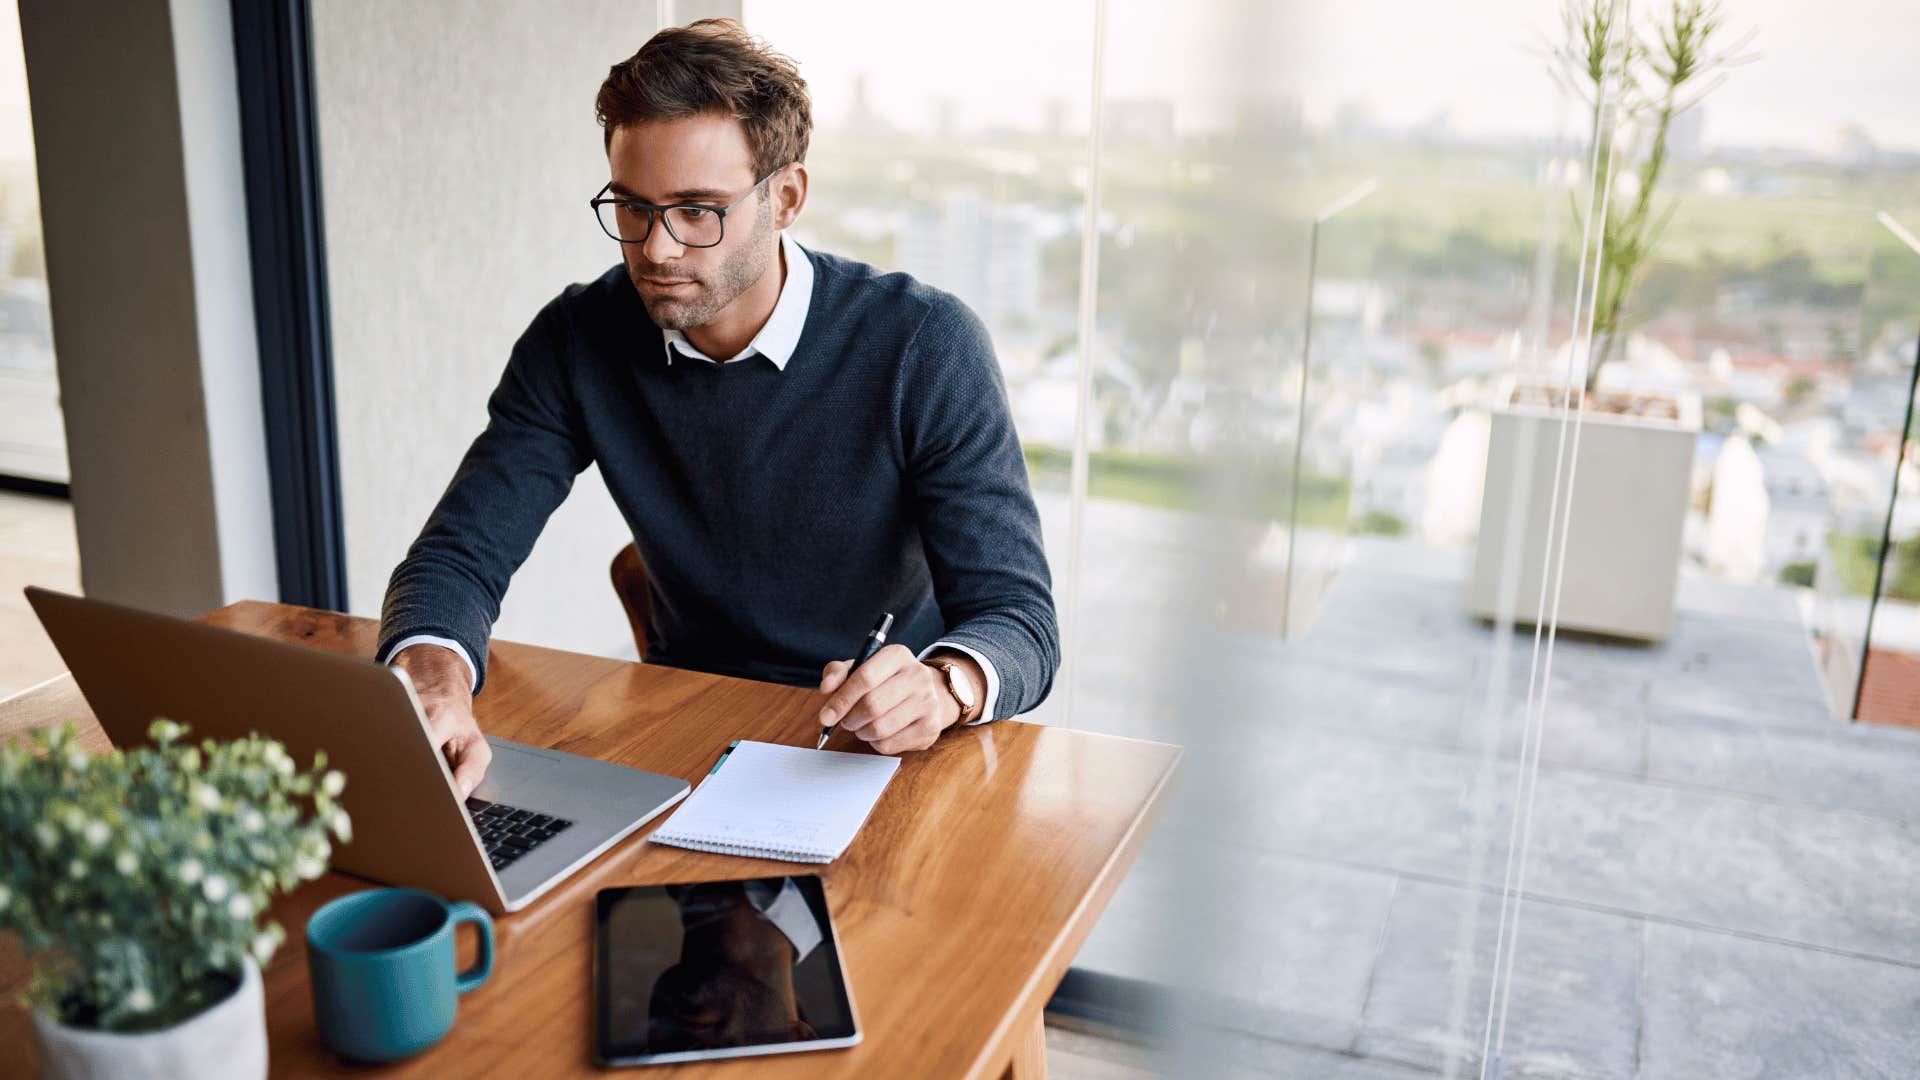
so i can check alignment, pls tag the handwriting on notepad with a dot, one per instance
(793, 834)
(800, 834)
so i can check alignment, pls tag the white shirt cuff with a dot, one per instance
(986, 665)
(473, 673)
(787, 910)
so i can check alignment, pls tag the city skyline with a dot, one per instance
(1481, 63)
(1477, 64)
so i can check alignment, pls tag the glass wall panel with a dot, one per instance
(1888, 654)
(1332, 282)
(37, 545)
(1266, 557)
(33, 443)
(1508, 703)
(1710, 847)
(925, 159)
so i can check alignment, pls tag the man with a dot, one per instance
(734, 982)
(798, 441)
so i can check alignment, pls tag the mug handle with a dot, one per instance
(473, 977)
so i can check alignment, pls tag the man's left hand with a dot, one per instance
(893, 701)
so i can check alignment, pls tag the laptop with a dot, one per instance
(539, 816)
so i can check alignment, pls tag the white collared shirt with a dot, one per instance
(776, 341)
(781, 334)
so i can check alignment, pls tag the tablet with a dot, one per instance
(717, 969)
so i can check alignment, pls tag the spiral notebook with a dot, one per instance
(780, 802)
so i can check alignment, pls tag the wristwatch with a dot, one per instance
(957, 685)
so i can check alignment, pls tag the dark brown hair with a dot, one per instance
(714, 66)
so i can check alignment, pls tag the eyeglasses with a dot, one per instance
(630, 221)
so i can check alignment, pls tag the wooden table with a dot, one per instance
(959, 907)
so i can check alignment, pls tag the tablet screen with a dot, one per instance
(717, 969)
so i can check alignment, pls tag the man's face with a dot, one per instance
(703, 160)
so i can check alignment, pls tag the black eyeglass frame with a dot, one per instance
(659, 213)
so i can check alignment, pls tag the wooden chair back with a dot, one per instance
(630, 582)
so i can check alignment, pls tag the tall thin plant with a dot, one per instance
(1636, 83)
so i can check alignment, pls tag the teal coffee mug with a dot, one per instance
(381, 967)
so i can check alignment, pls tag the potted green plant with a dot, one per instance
(137, 882)
(1625, 507)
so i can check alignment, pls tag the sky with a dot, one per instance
(16, 130)
(1817, 64)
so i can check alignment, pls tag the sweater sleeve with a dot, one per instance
(512, 478)
(967, 484)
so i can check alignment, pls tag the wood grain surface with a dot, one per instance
(958, 907)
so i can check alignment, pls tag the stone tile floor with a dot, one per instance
(37, 547)
(1722, 881)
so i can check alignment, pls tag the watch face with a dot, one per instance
(958, 683)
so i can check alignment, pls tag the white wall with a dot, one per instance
(223, 298)
(458, 152)
(152, 310)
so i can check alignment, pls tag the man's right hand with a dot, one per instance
(444, 683)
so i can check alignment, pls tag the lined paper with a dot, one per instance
(780, 802)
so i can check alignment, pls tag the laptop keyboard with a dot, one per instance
(509, 832)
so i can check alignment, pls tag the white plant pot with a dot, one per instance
(226, 1042)
(1629, 508)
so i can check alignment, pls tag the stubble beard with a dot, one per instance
(712, 292)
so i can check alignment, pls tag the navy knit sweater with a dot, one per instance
(778, 512)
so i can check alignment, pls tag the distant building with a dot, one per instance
(1850, 145)
(1148, 120)
(1876, 402)
(1441, 127)
(1456, 480)
(1354, 118)
(1257, 115)
(1054, 116)
(1737, 518)
(1798, 514)
(1201, 412)
(1046, 402)
(1686, 136)
(1715, 181)
(1390, 484)
(984, 252)
(946, 118)
(1770, 510)
(1415, 461)
(1648, 364)
(1468, 353)
(1358, 300)
(862, 118)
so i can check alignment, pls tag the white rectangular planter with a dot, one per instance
(1629, 495)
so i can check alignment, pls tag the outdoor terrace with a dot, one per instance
(1723, 879)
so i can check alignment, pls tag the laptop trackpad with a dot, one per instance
(516, 776)
(566, 785)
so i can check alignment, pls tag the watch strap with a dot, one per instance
(950, 672)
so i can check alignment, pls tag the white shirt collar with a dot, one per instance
(781, 334)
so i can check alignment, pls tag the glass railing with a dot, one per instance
(1700, 828)
(1885, 567)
